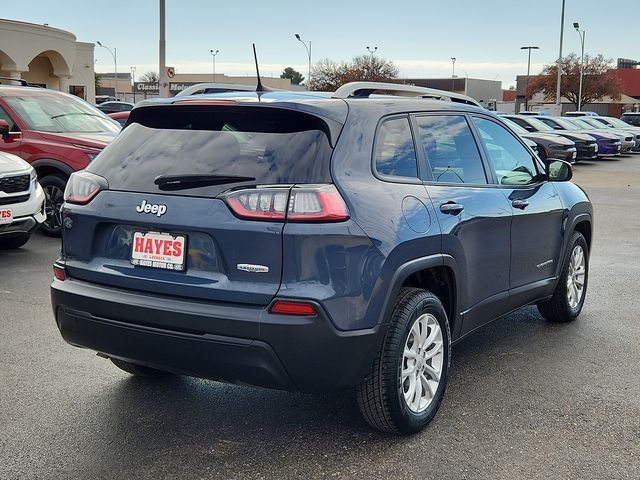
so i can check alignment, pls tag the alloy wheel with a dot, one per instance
(576, 277)
(422, 363)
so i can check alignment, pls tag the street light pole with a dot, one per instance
(114, 54)
(133, 83)
(297, 35)
(559, 80)
(526, 100)
(372, 51)
(453, 73)
(213, 54)
(582, 34)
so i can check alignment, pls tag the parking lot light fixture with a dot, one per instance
(582, 34)
(114, 54)
(372, 51)
(213, 55)
(526, 100)
(308, 48)
(133, 83)
(453, 73)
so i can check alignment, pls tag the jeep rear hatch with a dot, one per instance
(214, 181)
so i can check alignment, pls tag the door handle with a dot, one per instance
(521, 204)
(451, 208)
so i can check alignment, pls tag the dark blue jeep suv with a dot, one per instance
(315, 242)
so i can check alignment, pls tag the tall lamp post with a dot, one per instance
(453, 73)
(582, 34)
(114, 54)
(297, 35)
(559, 79)
(213, 55)
(133, 83)
(372, 51)
(526, 100)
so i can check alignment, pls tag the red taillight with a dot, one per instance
(259, 203)
(294, 308)
(59, 273)
(82, 187)
(305, 203)
(316, 203)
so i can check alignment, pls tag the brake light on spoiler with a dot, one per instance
(302, 203)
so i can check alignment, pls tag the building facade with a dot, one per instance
(48, 57)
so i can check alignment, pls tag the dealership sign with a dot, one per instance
(152, 87)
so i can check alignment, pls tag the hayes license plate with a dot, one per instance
(6, 216)
(158, 250)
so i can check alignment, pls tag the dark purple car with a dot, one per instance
(608, 143)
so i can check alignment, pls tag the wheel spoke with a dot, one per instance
(432, 372)
(437, 348)
(408, 371)
(418, 392)
(430, 387)
(432, 335)
(410, 353)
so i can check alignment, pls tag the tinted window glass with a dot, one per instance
(272, 146)
(47, 112)
(5, 116)
(395, 152)
(510, 160)
(450, 149)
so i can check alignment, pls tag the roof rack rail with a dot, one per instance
(19, 80)
(365, 89)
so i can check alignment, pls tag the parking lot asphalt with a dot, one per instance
(526, 398)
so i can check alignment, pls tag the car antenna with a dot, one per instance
(260, 87)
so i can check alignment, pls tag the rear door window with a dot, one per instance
(450, 149)
(395, 153)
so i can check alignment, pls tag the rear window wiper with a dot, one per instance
(183, 182)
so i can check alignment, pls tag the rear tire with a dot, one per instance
(138, 370)
(568, 297)
(14, 242)
(53, 186)
(402, 392)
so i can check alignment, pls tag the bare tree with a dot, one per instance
(598, 81)
(328, 75)
(150, 76)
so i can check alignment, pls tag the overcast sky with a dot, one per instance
(420, 37)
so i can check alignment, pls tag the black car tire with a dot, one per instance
(53, 186)
(557, 308)
(380, 395)
(138, 370)
(13, 242)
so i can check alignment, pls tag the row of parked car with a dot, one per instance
(49, 135)
(576, 138)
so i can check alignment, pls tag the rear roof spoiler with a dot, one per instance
(365, 89)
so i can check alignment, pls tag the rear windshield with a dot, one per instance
(272, 146)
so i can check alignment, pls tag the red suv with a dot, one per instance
(56, 133)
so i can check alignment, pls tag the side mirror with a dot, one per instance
(557, 127)
(4, 130)
(558, 170)
(530, 128)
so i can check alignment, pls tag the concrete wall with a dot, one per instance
(484, 90)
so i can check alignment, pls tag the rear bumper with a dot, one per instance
(235, 344)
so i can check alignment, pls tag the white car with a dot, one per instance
(21, 201)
